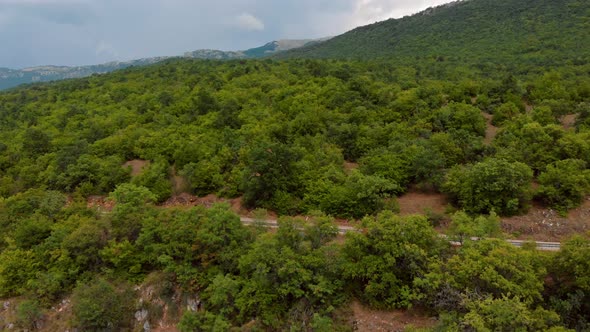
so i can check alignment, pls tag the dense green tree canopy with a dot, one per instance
(320, 138)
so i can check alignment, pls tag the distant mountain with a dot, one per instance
(257, 52)
(498, 31)
(13, 77)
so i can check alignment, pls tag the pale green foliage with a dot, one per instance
(489, 267)
(507, 315)
(17, 268)
(131, 197)
(463, 227)
(505, 112)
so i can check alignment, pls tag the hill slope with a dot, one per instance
(267, 49)
(539, 31)
(14, 77)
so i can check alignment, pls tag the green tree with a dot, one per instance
(284, 281)
(507, 314)
(29, 315)
(463, 227)
(488, 267)
(490, 185)
(132, 204)
(382, 262)
(459, 117)
(570, 292)
(36, 142)
(387, 165)
(356, 195)
(157, 179)
(564, 184)
(100, 306)
(504, 113)
(202, 322)
(270, 169)
(17, 268)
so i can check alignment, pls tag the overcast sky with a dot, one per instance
(79, 32)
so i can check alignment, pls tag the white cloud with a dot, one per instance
(370, 11)
(249, 22)
(105, 49)
(69, 32)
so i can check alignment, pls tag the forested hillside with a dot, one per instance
(508, 32)
(310, 141)
(283, 135)
(13, 77)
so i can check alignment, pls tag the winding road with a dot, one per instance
(544, 246)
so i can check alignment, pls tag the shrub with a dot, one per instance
(491, 185)
(98, 306)
(564, 184)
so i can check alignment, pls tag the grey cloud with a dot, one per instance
(54, 11)
(72, 32)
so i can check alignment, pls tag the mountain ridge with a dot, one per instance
(13, 77)
(472, 31)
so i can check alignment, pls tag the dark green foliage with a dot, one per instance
(32, 231)
(195, 245)
(100, 306)
(382, 263)
(156, 179)
(505, 112)
(529, 142)
(491, 185)
(564, 184)
(570, 292)
(282, 280)
(297, 136)
(484, 33)
(359, 195)
(36, 141)
(269, 174)
(202, 322)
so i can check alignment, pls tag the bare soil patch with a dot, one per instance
(179, 184)
(101, 203)
(569, 121)
(416, 202)
(491, 130)
(369, 320)
(348, 166)
(137, 166)
(544, 224)
(188, 200)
